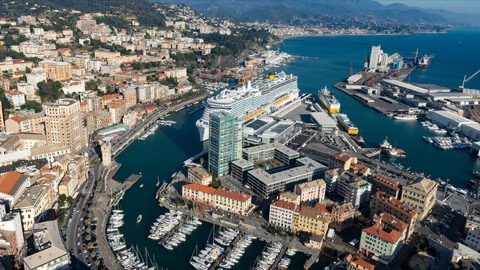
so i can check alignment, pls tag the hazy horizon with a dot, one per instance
(462, 6)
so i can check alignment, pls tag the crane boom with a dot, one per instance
(465, 79)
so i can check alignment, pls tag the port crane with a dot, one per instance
(465, 79)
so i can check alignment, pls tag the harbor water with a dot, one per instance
(163, 153)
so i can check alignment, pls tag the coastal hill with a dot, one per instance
(288, 11)
(143, 9)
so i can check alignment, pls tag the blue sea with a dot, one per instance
(456, 55)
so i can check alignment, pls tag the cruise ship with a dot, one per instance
(328, 101)
(252, 100)
(346, 124)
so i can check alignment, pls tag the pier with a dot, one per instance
(279, 257)
(226, 252)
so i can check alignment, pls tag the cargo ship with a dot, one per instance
(249, 101)
(424, 62)
(346, 124)
(328, 101)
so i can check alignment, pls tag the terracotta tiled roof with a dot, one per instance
(232, 195)
(283, 204)
(18, 118)
(398, 205)
(386, 181)
(314, 213)
(8, 181)
(362, 263)
(201, 188)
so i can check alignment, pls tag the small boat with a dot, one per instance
(476, 174)
(158, 182)
(139, 218)
(141, 186)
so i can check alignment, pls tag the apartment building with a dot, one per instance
(311, 192)
(383, 202)
(57, 71)
(64, 124)
(420, 195)
(282, 214)
(33, 202)
(220, 199)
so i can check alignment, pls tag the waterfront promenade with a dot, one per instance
(103, 200)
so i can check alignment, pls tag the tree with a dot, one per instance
(158, 102)
(28, 70)
(49, 90)
(32, 105)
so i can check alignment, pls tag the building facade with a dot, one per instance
(420, 195)
(225, 142)
(64, 124)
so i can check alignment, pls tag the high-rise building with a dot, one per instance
(225, 142)
(374, 56)
(64, 124)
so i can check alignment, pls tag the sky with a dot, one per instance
(464, 6)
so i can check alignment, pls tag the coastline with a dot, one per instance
(283, 38)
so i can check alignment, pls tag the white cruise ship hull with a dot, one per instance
(203, 130)
(249, 102)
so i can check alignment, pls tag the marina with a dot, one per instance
(178, 139)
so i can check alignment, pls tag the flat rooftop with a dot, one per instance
(308, 166)
(270, 146)
(323, 119)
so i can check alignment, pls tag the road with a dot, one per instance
(75, 223)
(76, 214)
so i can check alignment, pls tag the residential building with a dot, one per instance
(420, 195)
(290, 197)
(357, 263)
(15, 97)
(342, 161)
(331, 180)
(312, 220)
(12, 65)
(473, 239)
(199, 175)
(27, 89)
(64, 124)
(282, 214)
(199, 193)
(313, 191)
(12, 186)
(342, 216)
(17, 124)
(107, 99)
(225, 142)
(383, 237)
(386, 185)
(57, 71)
(232, 202)
(12, 224)
(50, 252)
(37, 75)
(130, 118)
(383, 202)
(33, 202)
(117, 109)
(130, 96)
(354, 189)
(220, 199)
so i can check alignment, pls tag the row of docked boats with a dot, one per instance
(181, 235)
(164, 224)
(433, 127)
(206, 257)
(149, 132)
(446, 143)
(127, 257)
(236, 252)
(269, 255)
